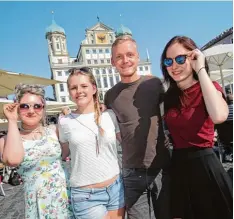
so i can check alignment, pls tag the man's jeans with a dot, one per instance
(146, 193)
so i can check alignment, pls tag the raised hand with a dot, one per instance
(197, 59)
(11, 111)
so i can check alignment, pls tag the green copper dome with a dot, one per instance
(123, 31)
(54, 28)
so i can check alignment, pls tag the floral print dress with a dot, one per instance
(44, 177)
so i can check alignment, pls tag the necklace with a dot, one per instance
(32, 134)
(36, 130)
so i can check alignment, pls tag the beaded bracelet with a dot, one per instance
(200, 69)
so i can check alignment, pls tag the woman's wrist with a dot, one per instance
(200, 69)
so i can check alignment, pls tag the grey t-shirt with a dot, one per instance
(137, 108)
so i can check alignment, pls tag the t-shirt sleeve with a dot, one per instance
(106, 100)
(161, 92)
(219, 88)
(114, 120)
(62, 131)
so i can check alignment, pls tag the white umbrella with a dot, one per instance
(220, 57)
(227, 76)
(8, 81)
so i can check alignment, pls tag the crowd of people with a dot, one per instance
(151, 183)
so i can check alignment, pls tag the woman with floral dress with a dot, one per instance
(36, 150)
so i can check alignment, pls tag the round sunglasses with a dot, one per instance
(25, 107)
(180, 59)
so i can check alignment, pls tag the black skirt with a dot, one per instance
(200, 187)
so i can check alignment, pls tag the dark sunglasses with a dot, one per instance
(84, 69)
(25, 107)
(180, 59)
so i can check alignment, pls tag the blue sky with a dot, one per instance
(23, 47)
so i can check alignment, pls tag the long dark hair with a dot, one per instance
(172, 98)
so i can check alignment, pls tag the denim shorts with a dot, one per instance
(94, 203)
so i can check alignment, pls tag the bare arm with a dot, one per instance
(215, 104)
(11, 146)
(65, 150)
(64, 146)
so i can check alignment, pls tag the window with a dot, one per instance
(116, 71)
(101, 96)
(100, 51)
(99, 85)
(63, 99)
(104, 71)
(146, 68)
(63, 46)
(111, 41)
(59, 73)
(102, 61)
(57, 45)
(97, 72)
(105, 81)
(61, 87)
(60, 61)
(141, 68)
(94, 51)
(117, 78)
(95, 61)
(67, 73)
(92, 42)
(110, 70)
(87, 51)
(108, 60)
(89, 62)
(232, 40)
(107, 51)
(111, 81)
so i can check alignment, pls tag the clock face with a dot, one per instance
(101, 38)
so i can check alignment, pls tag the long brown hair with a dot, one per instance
(88, 72)
(172, 98)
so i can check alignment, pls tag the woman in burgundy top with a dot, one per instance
(200, 187)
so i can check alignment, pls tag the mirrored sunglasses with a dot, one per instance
(180, 59)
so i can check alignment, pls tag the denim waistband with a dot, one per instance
(93, 190)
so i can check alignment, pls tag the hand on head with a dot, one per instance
(197, 59)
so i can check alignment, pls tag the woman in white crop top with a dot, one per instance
(97, 190)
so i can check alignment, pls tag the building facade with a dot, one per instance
(94, 52)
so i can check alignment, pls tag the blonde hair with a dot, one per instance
(22, 89)
(122, 39)
(88, 72)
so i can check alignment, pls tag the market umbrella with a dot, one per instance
(220, 57)
(8, 81)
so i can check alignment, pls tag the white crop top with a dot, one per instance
(87, 166)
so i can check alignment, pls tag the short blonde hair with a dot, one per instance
(122, 39)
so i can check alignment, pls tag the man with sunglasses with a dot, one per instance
(136, 103)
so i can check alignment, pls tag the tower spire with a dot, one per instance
(52, 13)
(147, 53)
